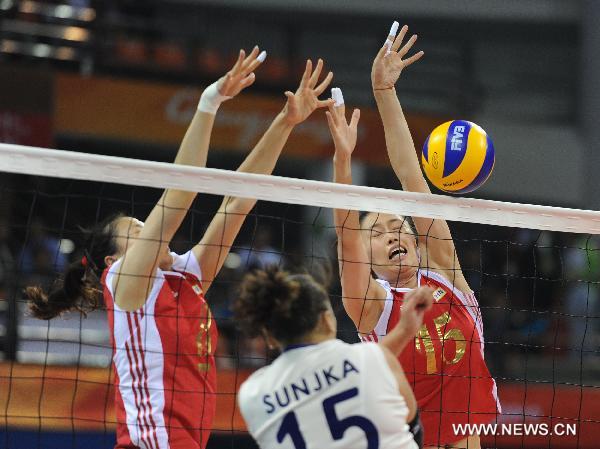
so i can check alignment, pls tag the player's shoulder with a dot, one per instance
(387, 287)
(254, 379)
(186, 263)
(445, 285)
(364, 353)
(435, 277)
(273, 372)
(368, 347)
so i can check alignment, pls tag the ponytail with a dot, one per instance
(75, 291)
(78, 289)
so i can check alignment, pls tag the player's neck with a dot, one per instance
(407, 280)
(312, 339)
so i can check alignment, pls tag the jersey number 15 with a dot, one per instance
(337, 427)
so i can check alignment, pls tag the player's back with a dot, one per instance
(329, 395)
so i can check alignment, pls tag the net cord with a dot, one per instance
(91, 167)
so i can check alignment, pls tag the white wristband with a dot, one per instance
(211, 99)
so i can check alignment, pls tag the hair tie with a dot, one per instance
(88, 261)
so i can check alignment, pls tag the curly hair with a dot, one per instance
(287, 306)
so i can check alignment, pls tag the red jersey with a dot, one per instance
(445, 365)
(163, 359)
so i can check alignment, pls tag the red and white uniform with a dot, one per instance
(163, 358)
(445, 365)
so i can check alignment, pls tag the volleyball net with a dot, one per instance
(534, 270)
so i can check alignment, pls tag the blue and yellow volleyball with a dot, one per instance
(458, 156)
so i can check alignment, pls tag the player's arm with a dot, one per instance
(438, 247)
(134, 276)
(225, 226)
(403, 385)
(416, 303)
(362, 296)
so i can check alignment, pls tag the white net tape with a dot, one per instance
(66, 164)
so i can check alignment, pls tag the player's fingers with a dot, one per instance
(409, 300)
(424, 298)
(331, 122)
(306, 74)
(425, 305)
(338, 97)
(321, 87)
(316, 74)
(340, 111)
(399, 38)
(324, 103)
(424, 291)
(332, 113)
(406, 47)
(239, 61)
(393, 31)
(419, 297)
(250, 58)
(249, 61)
(224, 83)
(355, 118)
(391, 36)
(382, 52)
(413, 58)
(256, 62)
(291, 99)
(248, 80)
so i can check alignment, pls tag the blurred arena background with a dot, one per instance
(123, 78)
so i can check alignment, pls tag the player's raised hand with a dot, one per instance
(416, 303)
(305, 100)
(391, 58)
(344, 134)
(241, 74)
(233, 82)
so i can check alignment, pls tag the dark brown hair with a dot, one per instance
(287, 306)
(78, 288)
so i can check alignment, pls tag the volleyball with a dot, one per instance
(458, 156)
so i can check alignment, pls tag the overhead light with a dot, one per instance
(8, 46)
(233, 261)
(64, 53)
(63, 12)
(41, 50)
(76, 34)
(5, 5)
(66, 246)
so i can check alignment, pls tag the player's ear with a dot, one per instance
(271, 343)
(329, 322)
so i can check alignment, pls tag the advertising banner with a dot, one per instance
(157, 113)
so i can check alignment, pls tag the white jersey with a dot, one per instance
(331, 395)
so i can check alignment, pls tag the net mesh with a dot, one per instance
(538, 292)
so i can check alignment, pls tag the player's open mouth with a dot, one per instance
(397, 253)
